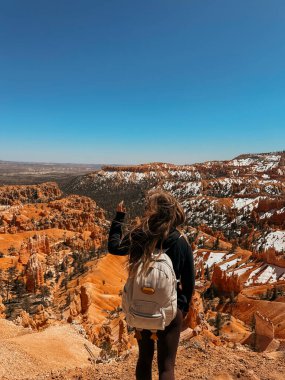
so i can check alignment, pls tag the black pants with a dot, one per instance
(167, 345)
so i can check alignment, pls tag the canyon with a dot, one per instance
(57, 278)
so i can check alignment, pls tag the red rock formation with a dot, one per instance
(270, 256)
(123, 336)
(74, 213)
(208, 192)
(85, 298)
(10, 195)
(264, 332)
(40, 320)
(196, 311)
(34, 273)
(75, 306)
(262, 339)
(225, 282)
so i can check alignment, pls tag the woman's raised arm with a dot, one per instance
(117, 245)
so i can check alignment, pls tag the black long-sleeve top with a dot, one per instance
(179, 251)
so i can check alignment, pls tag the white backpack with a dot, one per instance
(149, 301)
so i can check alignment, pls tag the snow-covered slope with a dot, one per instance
(235, 196)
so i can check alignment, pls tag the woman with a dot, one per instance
(158, 229)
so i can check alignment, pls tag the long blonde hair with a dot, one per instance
(162, 214)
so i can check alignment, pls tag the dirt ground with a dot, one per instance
(193, 362)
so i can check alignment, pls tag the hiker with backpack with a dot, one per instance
(161, 279)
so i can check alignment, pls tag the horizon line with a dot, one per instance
(131, 164)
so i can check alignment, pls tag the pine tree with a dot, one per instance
(232, 296)
(233, 247)
(44, 293)
(2, 282)
(274, 294)
(218, 322)
(27, 304)
(10, 278)
(207, 273)
(252, 323)
(19, 288)
(216, 243)
(268, 294)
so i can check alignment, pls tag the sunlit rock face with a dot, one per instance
(34, 273)
(18, 195)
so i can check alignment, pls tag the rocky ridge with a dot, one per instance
(44, 245)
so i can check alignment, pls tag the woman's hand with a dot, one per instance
(121, 207)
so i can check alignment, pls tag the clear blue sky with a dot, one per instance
(108, 81)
